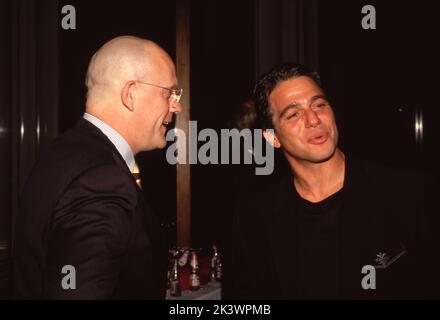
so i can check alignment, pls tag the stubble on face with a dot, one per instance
(304, 121)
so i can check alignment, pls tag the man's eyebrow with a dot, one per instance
(317, 97)
(290, 106)
(296, 104)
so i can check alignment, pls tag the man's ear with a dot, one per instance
(271, 137)
(128, 95)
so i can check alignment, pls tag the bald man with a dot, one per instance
(83, 230)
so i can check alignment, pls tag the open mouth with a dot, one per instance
(165, 126)
(318, 139)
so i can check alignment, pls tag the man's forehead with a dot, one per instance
(300, 89)
(164, 73)
(297, 85)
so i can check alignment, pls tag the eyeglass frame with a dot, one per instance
(175, 96)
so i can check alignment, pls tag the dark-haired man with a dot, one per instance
(338, 228)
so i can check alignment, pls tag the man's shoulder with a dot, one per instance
(398, 193)
(80, 143)
(80, 147)
(71, 155)
(387, 175)
(392, 171)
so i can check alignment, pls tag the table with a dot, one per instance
(210, 291)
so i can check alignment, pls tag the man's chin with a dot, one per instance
(162, 143)
(314, 157)
(323, 157)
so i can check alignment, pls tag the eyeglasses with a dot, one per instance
(175, 94)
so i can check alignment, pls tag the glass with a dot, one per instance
(175, 94)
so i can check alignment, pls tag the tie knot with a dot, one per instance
(135, 168)
(137, 175)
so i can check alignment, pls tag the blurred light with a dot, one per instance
(418, 126)
(22, 131)
(38, 130)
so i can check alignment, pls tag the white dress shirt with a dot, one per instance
(120, 143)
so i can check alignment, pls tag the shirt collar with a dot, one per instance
(119, 142)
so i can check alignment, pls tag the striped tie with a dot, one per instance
(137, 175)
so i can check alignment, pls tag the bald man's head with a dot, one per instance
(130, 86)
(118, 61)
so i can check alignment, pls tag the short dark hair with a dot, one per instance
(267, 83)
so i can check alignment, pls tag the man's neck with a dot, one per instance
(317, 181)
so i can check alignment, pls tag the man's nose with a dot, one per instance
(176, 108)
(311, 119)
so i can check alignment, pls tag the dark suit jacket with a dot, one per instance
(81, 207)
(384, 210)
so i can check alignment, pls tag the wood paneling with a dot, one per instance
(182, 121)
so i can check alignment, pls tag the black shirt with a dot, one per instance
(317, 245)
(288, 248)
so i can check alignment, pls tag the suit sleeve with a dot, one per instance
(89, 235)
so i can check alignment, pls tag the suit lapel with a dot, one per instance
(150, 220)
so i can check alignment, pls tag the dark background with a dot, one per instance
(377, 80)
(380, 78)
